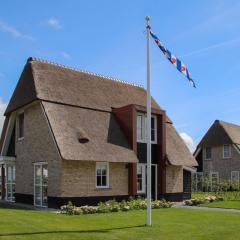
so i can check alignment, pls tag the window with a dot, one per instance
(226, 151)
(21, 126)
(40, 184)
(10, 183)
(142, 128)
(141, 181)
(102, 175)
(208, 153)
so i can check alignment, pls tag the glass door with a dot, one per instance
(10, 183)
(40, 184)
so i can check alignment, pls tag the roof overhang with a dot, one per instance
(7, 160)
(190, 169)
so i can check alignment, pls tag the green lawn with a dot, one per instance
(223, 204)
(231, 199)
(168, 224)
(228, 196)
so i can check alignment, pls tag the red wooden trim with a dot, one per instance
(132, 179)
(161, 137)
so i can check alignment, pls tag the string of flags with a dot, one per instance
(181, 67)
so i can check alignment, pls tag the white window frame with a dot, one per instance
(230, 152)
(144, 128)
(106, 164)
(11, 183)
(205, 153)
(18, 126)
(143, 167)
(41, 185)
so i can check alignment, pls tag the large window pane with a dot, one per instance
(44, 196)
(140, 125)
(142, 128)
(101, 174)
(38, 198)
(38, 174)
(44, 175)
(208, 153)
(226, 151)
(40, 184)
(141, 178)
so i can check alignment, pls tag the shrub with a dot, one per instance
(198, 201)
(114, 206)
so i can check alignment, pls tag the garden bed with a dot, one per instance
(114, 206)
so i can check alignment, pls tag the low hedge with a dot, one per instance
(113, 206)
(198, 201)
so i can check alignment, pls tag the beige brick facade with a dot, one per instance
(79, 179)
(174, 179)
(69, 178)
(37, 146)
(221, 165)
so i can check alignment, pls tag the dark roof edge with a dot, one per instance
(31, 59)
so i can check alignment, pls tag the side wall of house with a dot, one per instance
(79, 179)
(37, 146)
(221, 165)
(174, 179)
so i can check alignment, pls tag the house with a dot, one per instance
(218, 153)
(71, 135)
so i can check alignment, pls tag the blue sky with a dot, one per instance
(107, 37)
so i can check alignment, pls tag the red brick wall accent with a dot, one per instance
(161, 137)
(127, 119)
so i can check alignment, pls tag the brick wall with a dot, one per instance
(79, 180)
(221, 165)
(174, 179)
(37, 146)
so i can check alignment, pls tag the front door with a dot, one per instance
(154, 181)
(40, 184)
(142, 180)
(10, 183)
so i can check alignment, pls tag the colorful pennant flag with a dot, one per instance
(173, 59)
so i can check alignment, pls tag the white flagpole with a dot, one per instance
(149, 209)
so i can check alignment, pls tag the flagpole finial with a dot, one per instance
(147, 18)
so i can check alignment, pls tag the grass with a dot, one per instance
(228, 196)
(231, 199)
(223, 204)
(174, 224)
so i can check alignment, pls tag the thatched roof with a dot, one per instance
(56, 83)
(106, 140)
(79, 104)
(177, 151)
(221, 133)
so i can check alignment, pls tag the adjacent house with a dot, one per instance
(218, 153)
(71, 135)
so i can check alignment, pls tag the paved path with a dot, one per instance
(208, 208)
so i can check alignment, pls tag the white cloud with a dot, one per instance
(13, 31)
(188, 141)
(2, 110)
(54, 23)
(65, 55)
